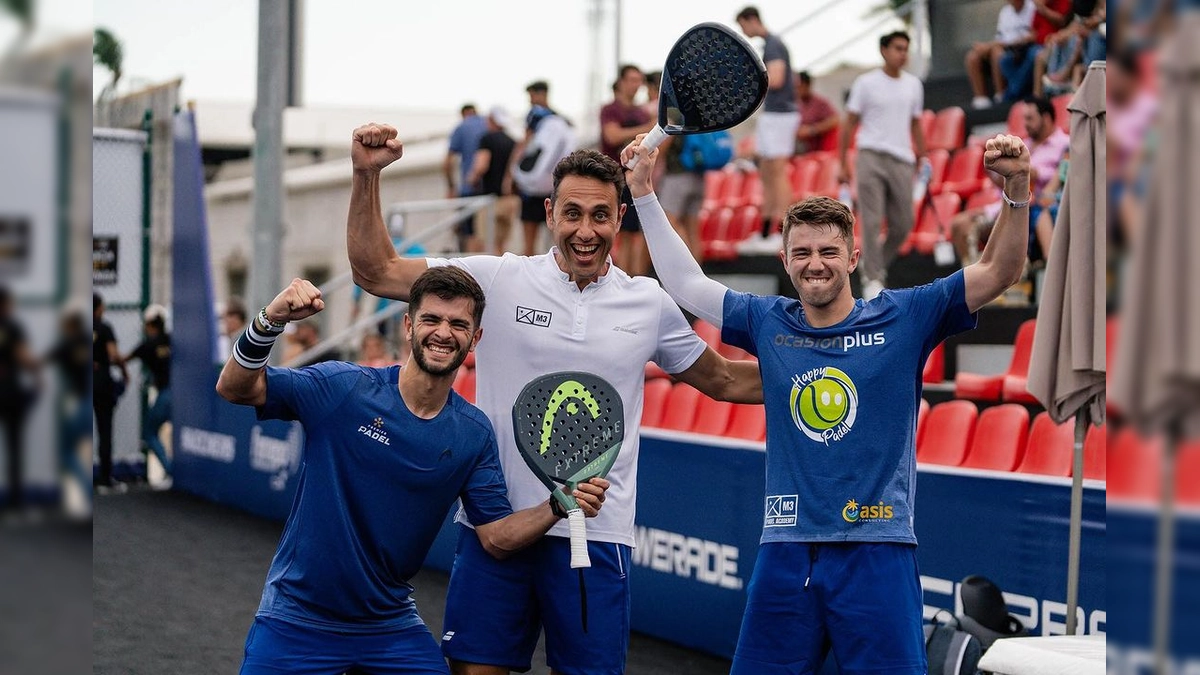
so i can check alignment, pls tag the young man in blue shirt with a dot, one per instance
(837, 567)
(387, 452)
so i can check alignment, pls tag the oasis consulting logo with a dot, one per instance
(375, 431)
(853, 512)
(824, 404)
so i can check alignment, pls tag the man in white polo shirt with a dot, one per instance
(570, 309)
(888, 103)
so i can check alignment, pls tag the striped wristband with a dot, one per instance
(253, 348)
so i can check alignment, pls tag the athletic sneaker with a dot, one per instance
(760, 245)
(981, 103)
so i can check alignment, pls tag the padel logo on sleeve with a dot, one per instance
(824, 404)
(533, 317)
(781, 511)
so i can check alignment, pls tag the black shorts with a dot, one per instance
(533, 208)
(630, 221)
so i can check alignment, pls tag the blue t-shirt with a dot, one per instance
(375, 485)
(464, 140)
(841, 407)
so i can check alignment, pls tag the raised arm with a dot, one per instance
(1003, 258)
(243, 379)
(501, 538)
(375, 265)
(678, 271)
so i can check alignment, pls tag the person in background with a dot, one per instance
(491, 174)
(1013, 26)
(154, 351)
(464, 141)
(20, 381)
(70, 356)
(818, 118)
(620, 122)
(373, 352)
(1018, 61)
(106, 391)
(233, 322)
(306, 335)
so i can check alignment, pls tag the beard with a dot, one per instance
(418, 354)
(821, 297)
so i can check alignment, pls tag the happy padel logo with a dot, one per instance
(824, 404)
(571, 394)
(853, 512)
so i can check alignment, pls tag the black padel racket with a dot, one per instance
(569, 428)
(712, 80)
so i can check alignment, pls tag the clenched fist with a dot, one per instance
(1006, 155)
(374, 146)
(299, 300)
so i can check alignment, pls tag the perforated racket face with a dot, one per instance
(569, 426)
(713, 79)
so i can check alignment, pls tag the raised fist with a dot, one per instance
(1006, 155)
(299, 300)
(374, 146)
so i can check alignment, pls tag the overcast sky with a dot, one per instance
(403, 54)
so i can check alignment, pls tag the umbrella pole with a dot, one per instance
(1076, 533)
(1166, 550)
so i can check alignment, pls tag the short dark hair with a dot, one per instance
(820, 212)
(448, 283)
(625, 68)
(804, 77)
(236, 307)
(97, 301)
(1043, 105)
(654, 77)
(467, 107)
(539, 85)
(589, 164)
(749, 12)
(158, 322)
(894, 35)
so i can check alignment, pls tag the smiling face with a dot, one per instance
(819, 262)
(583, 220)
(442, 333)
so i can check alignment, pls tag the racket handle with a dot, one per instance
(650, 142)
(578, 527)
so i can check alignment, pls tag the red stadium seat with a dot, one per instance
(746, 221)
(948, 432)
(826, 181)
(1016, 120)
(1000, 435)
(1050, 447)
(965, 176)
(990, 387)
(464, 383)
(949, 129)
(928, 117)
(712, 417)
(1016, 381)
(714, 236)
(752, 190)
(1136, 465)
(988, 194)
(709, 333)
(469, 362)
(654, 401)
(714, 185)
(1095, 451)
(935, 366)
(731, 189)
(922, 413)
(748, 422)
(1187, 474)
(680, 411)
(939, 160)
(933, 224)
(1062, 117)
(804, 175)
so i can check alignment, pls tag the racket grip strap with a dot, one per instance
(578, 529)
(650, 142)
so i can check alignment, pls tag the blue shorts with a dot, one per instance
(863, 600)
(495, 609)
(274, 647)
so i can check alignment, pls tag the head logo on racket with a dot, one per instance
(824, 404)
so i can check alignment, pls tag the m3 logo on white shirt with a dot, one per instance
(533, 317)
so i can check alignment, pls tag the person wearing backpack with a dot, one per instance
(681, 188)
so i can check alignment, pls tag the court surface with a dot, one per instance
(176, 580)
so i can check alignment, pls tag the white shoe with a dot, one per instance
(760, 245)
(981, 103)
(872, 289)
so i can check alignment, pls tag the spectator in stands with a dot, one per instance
(1059, 66)
(233, 322)
(818, 118)
(388, 451)
(1018, 61)
(1013, 27)
(620, 122)
(154, 351)
(653, 82)
(490, 174)
(1048, 145)
(20, 379)
(1131, 112)
(106, 390)
(775, 130)
(304, 336)
(576, 309)
(888, 103)
(464, 141)
(1048, 201)
(373, 351)
(840, 423)
(682, 193)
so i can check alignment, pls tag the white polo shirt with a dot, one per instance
(537, 321)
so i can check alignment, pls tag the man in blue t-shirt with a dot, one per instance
(387, 452)
(837, 566)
